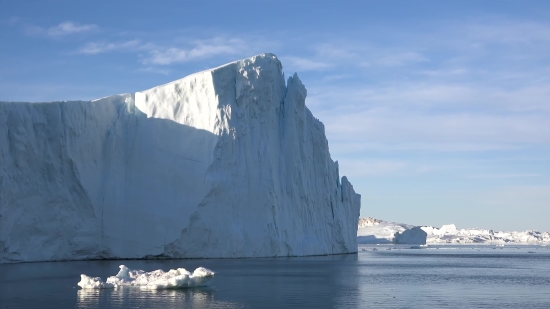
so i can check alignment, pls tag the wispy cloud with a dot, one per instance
(94, 48)
(155, 70)
(507, 32)
(63, 29)
(394, 129)
(399, 59)
(198, 50)
(376, 167)
(12, 21)
(304, 64)
(503, 176)
(444, 72)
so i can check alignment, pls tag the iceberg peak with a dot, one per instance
(223, 163)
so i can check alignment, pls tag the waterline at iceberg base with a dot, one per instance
(224, 163)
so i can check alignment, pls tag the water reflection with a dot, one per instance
(396, 278)
(132, 297)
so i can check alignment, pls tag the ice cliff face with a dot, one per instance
(223, 163)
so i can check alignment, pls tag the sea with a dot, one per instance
(383, 276)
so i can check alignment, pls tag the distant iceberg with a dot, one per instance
(412, 236)
(452, 235)
(375, 231)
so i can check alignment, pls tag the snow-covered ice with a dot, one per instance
(375, 231)
(451, 234)
(158, 279)
(412, 236)
(223, 163)
(87, 282)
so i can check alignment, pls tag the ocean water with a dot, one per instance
(376, 277)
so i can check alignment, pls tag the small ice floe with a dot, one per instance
(157, 279)
(87, 282)
(531, 252)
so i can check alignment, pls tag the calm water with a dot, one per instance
(448, 277)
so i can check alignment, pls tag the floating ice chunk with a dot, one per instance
(157, 279)
(87, 282)
(413, 236)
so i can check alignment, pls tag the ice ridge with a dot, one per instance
(223, 163)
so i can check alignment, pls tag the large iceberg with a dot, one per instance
(223, 163)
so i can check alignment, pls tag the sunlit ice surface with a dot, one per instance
(155, 280)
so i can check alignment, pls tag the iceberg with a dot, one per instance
(224, 163)
(375, 231)
(412, 236)
(154, 280)
(450, 234)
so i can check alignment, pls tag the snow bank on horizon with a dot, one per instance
(449, 233)
(375, 231)
(155, 280)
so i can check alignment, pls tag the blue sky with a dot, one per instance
(438, 111)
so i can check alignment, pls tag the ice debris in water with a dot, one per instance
(157, 279)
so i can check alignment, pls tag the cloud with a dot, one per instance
(356, 168)
(445, 72)
(503, 176)
(155, 70)
(509, 32)
(94, 48)
(201, 49)
(334, 51)
(392, 129)
(423, 95)
(63, 29)
(304, 64)
(379, 125)
(400, 59)
(332, 78)
(12, 21)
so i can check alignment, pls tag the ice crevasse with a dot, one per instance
(223, 163)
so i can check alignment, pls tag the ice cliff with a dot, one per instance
(223, 163)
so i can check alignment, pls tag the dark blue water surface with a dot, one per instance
(377, 277)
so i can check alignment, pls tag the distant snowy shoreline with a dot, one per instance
(373, 231)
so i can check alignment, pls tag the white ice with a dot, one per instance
(374, 231)
(451, 234)
(224, 163)
(157, 279)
